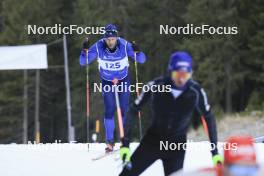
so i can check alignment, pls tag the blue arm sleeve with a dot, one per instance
(92, 55)
(141, 57)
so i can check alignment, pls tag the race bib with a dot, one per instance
(113, 65)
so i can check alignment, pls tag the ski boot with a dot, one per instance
(109, 147)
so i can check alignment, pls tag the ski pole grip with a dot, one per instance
(86, 44)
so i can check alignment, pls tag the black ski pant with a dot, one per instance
(149, 151)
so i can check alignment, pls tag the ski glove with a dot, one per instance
(125, 154)
(86, 44)
(218, 159)
(135, 47)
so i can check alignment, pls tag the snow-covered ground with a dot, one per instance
(76, 160)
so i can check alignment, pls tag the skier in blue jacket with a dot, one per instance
(112, 54)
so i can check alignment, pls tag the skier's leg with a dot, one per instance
(109, 106)
(141, 159)
(124, 98)
(173, 162)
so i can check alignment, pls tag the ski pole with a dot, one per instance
(120, 121)
(205, 126)
(87, 97)
(137, 91)
(119, 114)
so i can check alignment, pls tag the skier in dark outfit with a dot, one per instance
(172, 113)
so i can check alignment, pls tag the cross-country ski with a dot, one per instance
(104, 155)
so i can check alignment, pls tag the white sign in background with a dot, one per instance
(23, 57)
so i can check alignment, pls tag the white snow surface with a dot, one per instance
(76, 160)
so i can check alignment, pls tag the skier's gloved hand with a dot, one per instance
(86, 44)
(218, 160)
(125, 154)
(135, 47)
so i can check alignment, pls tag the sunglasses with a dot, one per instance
(181, 75)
